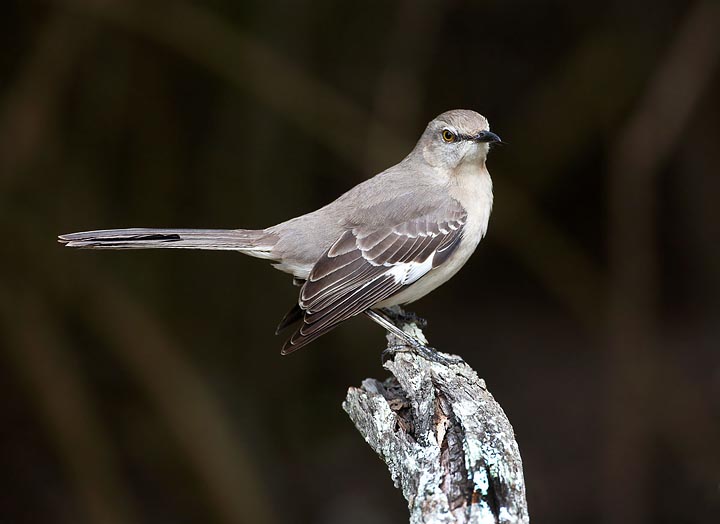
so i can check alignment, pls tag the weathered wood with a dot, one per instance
(446, 441)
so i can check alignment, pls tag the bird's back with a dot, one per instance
(385, 200)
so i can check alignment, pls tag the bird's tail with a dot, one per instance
(256, 243)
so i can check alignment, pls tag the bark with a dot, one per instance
(446, 441)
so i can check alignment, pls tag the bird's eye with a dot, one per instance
(448, 136)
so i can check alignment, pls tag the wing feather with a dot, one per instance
(365, 266)
(334, 264)
(362, 301)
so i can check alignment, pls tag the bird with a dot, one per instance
(388, 241)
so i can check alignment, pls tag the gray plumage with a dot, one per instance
(389, 240)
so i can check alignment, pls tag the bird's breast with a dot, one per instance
(473, 189)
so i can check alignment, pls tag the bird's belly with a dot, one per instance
(435, 277)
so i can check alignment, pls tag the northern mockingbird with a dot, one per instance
(388, 241)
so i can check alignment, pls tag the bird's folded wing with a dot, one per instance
(368, 265)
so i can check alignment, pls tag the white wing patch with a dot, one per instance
(406, 273)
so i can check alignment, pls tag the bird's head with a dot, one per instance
(456, 137)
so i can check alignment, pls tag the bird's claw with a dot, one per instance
(389, 352)
(426, 352)
(433, 355)
(400, 317)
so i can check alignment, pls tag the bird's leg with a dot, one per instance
(411, 342)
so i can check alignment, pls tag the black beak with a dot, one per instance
(487, 136)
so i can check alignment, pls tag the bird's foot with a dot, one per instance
(433, 355)
(389, 352)
(399, 317)
(426, 352)
(402, 341)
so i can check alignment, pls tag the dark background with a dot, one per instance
(147, 387)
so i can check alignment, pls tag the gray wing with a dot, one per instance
(367, 265)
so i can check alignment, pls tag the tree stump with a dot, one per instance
(446, 441)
